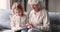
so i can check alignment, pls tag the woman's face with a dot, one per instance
(35, 7)
(18, 12)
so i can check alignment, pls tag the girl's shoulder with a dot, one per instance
(13, 17)
(26, 14)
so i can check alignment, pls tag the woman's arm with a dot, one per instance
(46, 23)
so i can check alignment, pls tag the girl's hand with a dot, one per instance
(19, 28)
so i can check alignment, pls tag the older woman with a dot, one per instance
(38, 18)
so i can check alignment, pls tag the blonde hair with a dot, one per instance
(17, 5)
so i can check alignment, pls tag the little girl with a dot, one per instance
(19, 19)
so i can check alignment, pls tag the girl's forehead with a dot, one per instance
(17, 9)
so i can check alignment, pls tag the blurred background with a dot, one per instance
(52, 6)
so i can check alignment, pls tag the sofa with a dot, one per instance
(55, 21)
(5, 20)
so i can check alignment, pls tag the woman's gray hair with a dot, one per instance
(40, 3)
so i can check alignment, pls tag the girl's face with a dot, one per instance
(18, 12)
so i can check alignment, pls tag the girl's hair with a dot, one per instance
(17, 5)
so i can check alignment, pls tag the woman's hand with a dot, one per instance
(28, 25)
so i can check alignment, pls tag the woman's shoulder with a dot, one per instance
(44, 11)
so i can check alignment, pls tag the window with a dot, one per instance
(4, 4)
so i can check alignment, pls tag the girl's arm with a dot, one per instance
(12, 23)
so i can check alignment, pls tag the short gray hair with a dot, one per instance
(40, 3)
